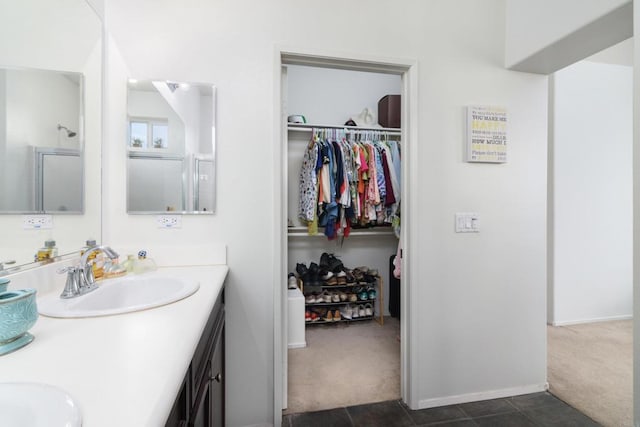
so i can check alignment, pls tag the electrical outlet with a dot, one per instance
(37, 222)
(169, 221)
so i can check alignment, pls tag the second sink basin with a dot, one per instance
(123, 295)
(37, 405)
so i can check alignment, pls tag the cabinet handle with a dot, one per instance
(217, 378)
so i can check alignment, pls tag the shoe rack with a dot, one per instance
(326, 301)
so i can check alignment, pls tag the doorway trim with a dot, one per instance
(408, 69)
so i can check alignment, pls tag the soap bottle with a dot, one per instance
(112, 268)
(129, 263)
(96, 259)
(144, 264)
(48, 252)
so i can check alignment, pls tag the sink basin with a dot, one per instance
(37, 405)
(122, 295)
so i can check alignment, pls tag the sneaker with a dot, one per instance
(352, 297)
(342, 277)
(307, 316)
(355, 313)
(335, 297)
(342, 296)
(310, 299)
(368, 310)
(347, 312)
(326, 297)
(329, 316)
(361, 311)
(292, 281)
(314, 274)
(372, 293)
(336, 315)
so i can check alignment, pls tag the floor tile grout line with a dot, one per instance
(346, 409)
(399, 402)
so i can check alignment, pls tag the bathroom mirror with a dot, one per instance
(170, 147)
(41, 141)
(50, 127)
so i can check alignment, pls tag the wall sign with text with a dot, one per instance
(486, 134)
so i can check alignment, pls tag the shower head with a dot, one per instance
(70, 133)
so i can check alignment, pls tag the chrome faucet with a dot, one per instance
(80, 279)
(3, 263)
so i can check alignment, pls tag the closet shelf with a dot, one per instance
(306, 127)
(373, 231)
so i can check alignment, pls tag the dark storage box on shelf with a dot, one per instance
(389, 111)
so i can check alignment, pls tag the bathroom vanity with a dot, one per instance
(200, 401)
(160, 366)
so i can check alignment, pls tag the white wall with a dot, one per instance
(546, 35)
(481, 298)
(592, 200)
(331, 97)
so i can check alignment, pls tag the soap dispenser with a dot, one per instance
(144, 264)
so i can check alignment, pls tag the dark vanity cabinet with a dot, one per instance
(200, 402)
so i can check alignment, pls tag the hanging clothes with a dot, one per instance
(349, 179)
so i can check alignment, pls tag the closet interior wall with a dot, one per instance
(330, 97)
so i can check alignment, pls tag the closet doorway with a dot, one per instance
(369, 248)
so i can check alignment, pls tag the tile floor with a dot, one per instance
(530, 410)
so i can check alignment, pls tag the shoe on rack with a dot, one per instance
(314, 316)
(336, 315)
(324, 260)
(335, 297)
(310, 299)
(335, 264)
(362, 311)
(349, 276)
(329, 316)
(372, 293)
(326, 297)
(314, 274)
(341, 277)
(307, 316)
(358, 275)
(325, 274)
(368, 310)
(352, 297)
(301, 269)
(363, 295)
(292, 281)
(355, 312)
(342, 296)
(347, 312)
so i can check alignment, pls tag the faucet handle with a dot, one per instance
(8, 262)
(72, 287)
(66, 269)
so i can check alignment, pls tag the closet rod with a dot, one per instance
(308, 128)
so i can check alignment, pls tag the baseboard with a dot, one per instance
(483, 395)
(297, 344)
(592, 320)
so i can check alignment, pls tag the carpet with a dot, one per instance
(590, 366)
(345, 364)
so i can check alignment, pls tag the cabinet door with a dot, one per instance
(201, 412)
(217, 381)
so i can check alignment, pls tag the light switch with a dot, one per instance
(467, 222)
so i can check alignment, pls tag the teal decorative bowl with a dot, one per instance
(18, 313)
(3, 284)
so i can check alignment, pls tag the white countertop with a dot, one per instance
(126, 369)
